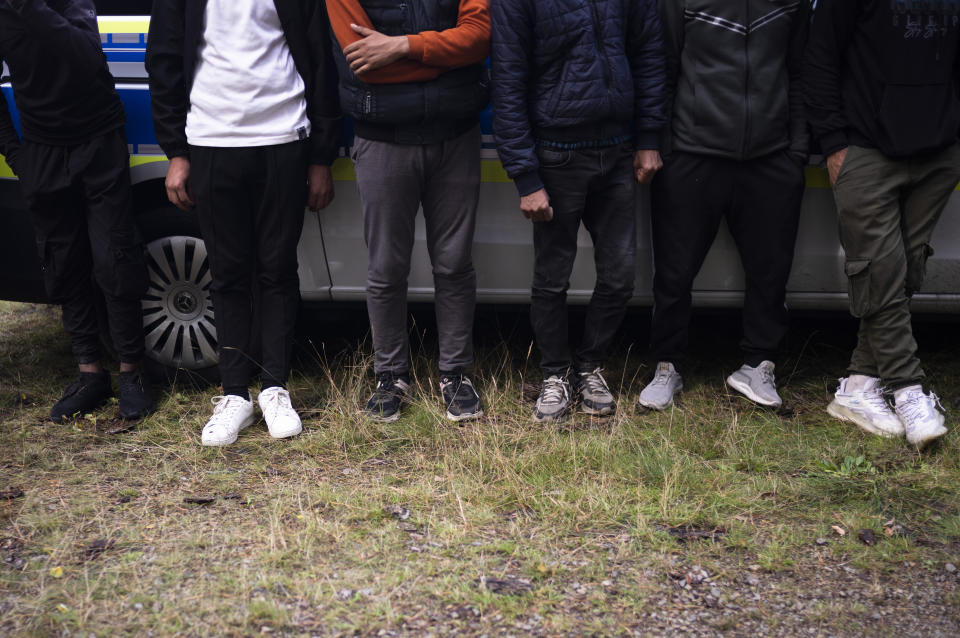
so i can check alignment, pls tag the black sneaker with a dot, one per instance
(88, 392)
(387, 399)
(135, 400)
(460, 397)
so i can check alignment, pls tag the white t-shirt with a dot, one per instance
(246, 90)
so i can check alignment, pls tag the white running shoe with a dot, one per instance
(230, 415)
(859, 400)
(921, 418)
(282, 420)
(757, 384)
(659, 393)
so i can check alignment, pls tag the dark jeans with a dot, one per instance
(596, 187)
(250, 203)
(761, 200)
(394, 181)
(888, 210)
(80, 204)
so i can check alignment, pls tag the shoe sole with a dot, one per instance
(843, 414)
(286, 435)
(748, 392)
(243, 427)
(383, 419)
(560, 418)
(464, 417)
(586, 409)
(922, 443)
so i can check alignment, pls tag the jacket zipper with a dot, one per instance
(746, 88)
(597, 41)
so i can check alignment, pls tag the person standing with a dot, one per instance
(412, 79)
(578, 104)
(74, 171)
(739, 141)
(882, 96)
(245, 108)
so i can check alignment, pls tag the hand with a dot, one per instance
(320, 187)
(536, 206)
(646, 164)
(835, 163)
(375, 50)
(178, 183)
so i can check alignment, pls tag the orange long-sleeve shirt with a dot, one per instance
(431, 52)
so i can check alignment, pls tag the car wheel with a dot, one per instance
(179, 331)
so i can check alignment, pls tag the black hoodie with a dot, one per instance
(883, 74)
(63, 88)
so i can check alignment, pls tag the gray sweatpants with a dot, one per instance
(888, 210)
(394, 180)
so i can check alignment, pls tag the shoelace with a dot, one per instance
(226, 405)
(554, 392)
(914, 408)
(662, 377)
(278, 399)
(874, 398)
(767, 376)
(595, 382)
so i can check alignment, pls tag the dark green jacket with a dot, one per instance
(733, 76)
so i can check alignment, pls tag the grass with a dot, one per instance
(513, 528)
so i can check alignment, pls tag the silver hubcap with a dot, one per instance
(177, 311)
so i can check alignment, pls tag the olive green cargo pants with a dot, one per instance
(888, 210)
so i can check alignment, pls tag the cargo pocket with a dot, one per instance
(128, 279)
(917, 267)
(858, 286)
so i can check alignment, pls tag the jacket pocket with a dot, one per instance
(858, 286)
(917, 117)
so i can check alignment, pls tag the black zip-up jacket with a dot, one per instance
(884, 74)
(63, 89)
(176, 28)
(733, 76)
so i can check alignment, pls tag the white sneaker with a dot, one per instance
(230, 415)
(921, 418)
(659, 393)
(282, 420)
(757, 384)
(859, 400)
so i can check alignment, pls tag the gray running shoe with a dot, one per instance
(659, 393)
(757, 384)
(921, 418)
(553, 404)
(595, 396)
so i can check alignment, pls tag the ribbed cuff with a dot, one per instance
(527, 183)
(833, 141)
(646, 141)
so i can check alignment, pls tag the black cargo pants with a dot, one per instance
(80, 202)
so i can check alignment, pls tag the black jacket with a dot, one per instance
(733, 76)
(176, 28)
(64, 92)
(884, 74)
(571, 71)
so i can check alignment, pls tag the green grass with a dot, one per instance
(574, 519)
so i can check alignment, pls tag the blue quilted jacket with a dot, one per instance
(572, 71)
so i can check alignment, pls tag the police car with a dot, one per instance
(178, 315)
